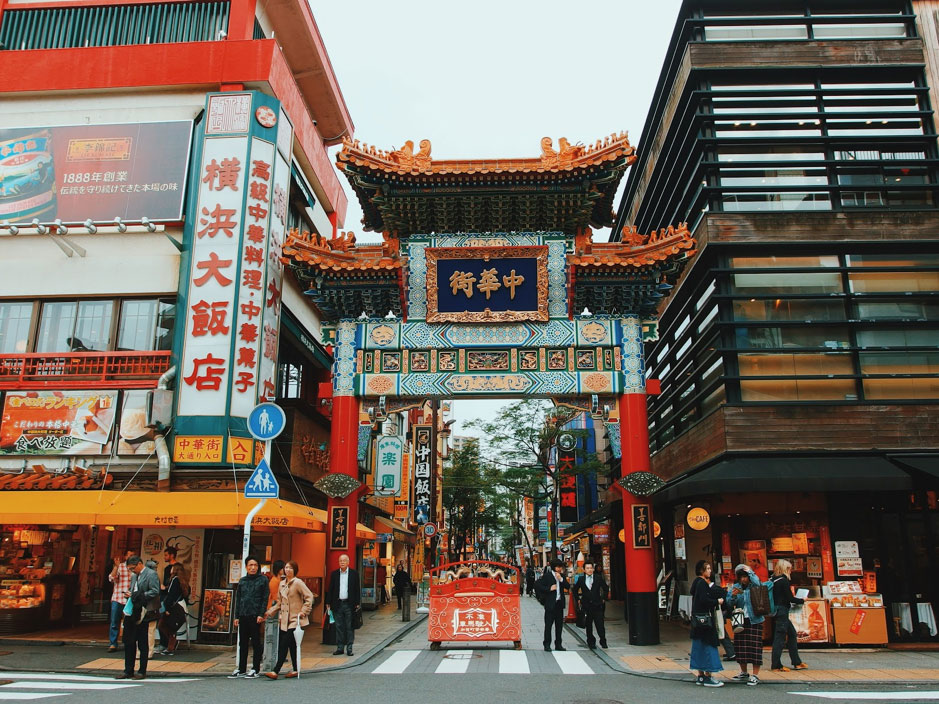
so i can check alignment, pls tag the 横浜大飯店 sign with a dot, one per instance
(487, 284)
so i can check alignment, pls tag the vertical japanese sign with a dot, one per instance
(267, 373)
(251, 291)
(339, 528)
(423, 466)
(567, 486)
(642, 526)
(236, 228)
(206, 356)
(388, 461)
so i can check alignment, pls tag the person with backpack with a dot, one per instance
(783, 600)
(748, 641)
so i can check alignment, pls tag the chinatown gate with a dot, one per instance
(488, 283)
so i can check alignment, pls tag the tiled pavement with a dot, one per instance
(670, 659)
(407, 651)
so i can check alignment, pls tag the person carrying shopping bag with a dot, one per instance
(294, 604)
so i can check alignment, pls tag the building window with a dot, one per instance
(146, 325)
(796, 309)
(815, 336)
(15, 320)
(291, 375)
(75, 326)
(788, 282)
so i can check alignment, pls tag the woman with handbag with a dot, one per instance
(748, 641)
(784, 630)
(294, 603)
(175, 608)
(704, 600)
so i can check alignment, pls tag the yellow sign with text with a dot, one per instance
(197, 448)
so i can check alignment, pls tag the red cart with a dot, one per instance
(475, 600)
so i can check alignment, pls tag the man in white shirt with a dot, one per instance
(552, 590)
(342, 599)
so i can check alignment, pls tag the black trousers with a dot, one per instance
(136, 638)
(286, 644)
(249, 631)
(345, 634)
(553, 617)
(593, 616)
(784, 631)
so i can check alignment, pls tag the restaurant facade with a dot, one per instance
(145, 198)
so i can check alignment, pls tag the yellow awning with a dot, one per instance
(204, 509)
(363, 532)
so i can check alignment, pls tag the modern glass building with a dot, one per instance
(799, 354)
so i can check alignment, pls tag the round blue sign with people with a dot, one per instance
(266, 421)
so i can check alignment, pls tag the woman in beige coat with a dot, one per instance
(294, 603)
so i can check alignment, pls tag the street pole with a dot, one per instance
(246, 540)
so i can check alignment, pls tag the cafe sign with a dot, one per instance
(698, 518)
(487, 284)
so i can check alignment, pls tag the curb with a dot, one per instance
(609, 660)
(361, 660)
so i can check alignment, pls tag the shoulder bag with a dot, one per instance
(738, 619)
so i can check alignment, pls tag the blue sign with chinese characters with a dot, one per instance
(486, 284)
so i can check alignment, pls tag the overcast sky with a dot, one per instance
(488, 79)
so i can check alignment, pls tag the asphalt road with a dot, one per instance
(378, 681)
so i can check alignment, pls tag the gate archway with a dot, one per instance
(488, 283)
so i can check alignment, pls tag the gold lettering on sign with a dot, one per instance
(500, 382)
(489, 282)
(462, 281)
(511, 281)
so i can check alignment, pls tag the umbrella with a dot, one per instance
(298, 636)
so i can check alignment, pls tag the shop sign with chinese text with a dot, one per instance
(339, 528)
(567, 486)
(642, 526)
(78, 172)
(235, 276)
(423, 468)
(389, 454)
(57, 422)
(487, 284)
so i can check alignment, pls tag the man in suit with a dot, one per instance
(590, 591)
(553, 588)
(342, 600)
(144, 599)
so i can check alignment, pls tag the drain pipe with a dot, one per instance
(159, 441)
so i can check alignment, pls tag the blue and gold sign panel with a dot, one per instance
(487, 284)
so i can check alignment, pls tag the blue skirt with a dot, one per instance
(704, 657)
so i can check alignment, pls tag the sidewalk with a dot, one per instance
(49, 652)
(670, 659)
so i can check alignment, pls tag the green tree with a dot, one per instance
(519, 443)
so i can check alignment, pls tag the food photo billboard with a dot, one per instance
(99, 172)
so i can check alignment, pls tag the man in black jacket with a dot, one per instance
(250, 605)
(401, 581)
(552, 588)
(144, 600)
(590, 590)
(342, 600)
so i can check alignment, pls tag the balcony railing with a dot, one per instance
(82, 370)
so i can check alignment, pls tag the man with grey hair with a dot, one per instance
(143, 606)
(342, 600)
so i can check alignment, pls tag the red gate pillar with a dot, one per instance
(642, 607)
(343, 459)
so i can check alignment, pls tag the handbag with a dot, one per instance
(581, 618)
(737, 619)
(357, 619)
(719, 623)
(759, 600)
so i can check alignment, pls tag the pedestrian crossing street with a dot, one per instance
(34, 686)
(487, 661)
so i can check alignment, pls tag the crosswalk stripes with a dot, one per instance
(32, 686)
(489, 661)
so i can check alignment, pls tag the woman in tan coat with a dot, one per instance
(294, 603)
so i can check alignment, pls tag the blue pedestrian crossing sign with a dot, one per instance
(262, 484)
(266, 421)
